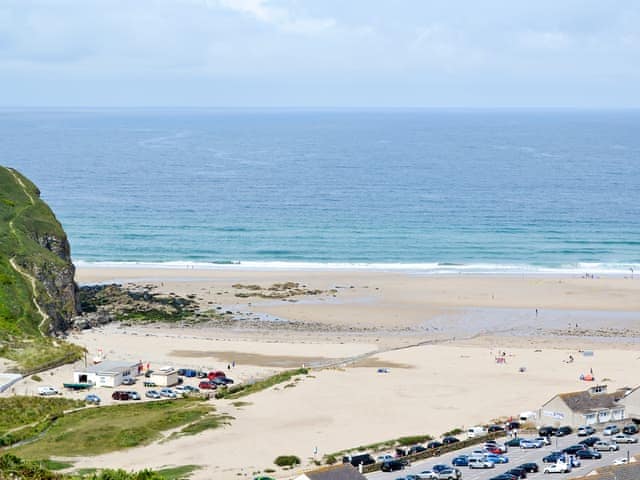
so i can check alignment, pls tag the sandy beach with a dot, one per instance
(437, 336)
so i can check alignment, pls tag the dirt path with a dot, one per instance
(14, 265)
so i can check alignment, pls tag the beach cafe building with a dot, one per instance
(107, 374)
(588, 407)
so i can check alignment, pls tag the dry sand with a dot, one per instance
(450, 380)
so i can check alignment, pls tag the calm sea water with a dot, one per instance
(424, 190)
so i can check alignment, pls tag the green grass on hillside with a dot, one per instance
(34, 354)
(105, 429)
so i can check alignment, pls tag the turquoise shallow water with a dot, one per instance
(446, 191)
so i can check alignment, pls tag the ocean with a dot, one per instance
(442, 191)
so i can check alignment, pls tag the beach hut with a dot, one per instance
(164, 377)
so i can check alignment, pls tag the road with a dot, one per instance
(516, 457)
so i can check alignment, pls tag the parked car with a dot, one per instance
(494, 447)
(563, 431)
(589, 442)
(544, 440)
(630, 429)
(207, 385)
(588, 454)
(168, 393)
(553, 457)
(190, 389)
(460, 461)
(529, 443)
(46, 391)
(514, 442)
(263, 478)
(610, 430)
(513, 426)
(441, 467)
(480, 462)
(216, 374)
(586, 430)
(606, 446)
(448, 440)
(547, 431)
(622, 438)
(152, 394)
(133, 395)
(504, 476)
(434, 444)
(92, 398)
(571, 450)
(449, 474)
(361, 459)
(518, 472)
(384, 458)
(392, 465)
(128, 381)
(221, 380)
(559, 467)
(530, 467)
(120, 395)
(492, 457)
(416, 449)
(495, 428)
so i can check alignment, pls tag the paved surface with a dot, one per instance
(516, 457)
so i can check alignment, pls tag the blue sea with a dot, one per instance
(424, 190)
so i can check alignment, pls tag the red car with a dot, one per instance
(216, 374)
(207, 386)
(120, 395)
(495, 449)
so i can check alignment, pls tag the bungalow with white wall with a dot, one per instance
(588, 407)
(107, 374)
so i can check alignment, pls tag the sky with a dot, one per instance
(320, 53)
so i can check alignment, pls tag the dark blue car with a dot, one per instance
(460, 461)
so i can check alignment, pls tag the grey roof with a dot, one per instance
(108, 366)
(585, 402)
(338, 472)
(616, 472)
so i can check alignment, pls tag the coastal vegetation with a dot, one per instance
(287, 461)
(37, 291)
(244, 389)
(277, 290)
(13, 467)
(97, 430)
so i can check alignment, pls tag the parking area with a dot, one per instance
(516, 457)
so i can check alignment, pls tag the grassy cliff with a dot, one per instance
(38, 295)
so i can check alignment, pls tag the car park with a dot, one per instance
(630, 429)
(120, 395)
(46, 391)
(152, 394)
(588, 454)
(559, 467)
(586, 430)
(610, 430)
(392, 465)
(92, 398)
(622, 438)
(606, 446)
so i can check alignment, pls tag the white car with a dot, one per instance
(47, 391)
(381, 458)
(544, 440)
(168, 393)
(621, 438)
(559, 467)
(585, 431)
(610, 430)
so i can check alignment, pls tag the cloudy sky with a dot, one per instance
(337, 53)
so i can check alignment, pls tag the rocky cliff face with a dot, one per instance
(37, 288)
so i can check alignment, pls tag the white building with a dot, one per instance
(107, 374)
(164, 377)
(335, 472)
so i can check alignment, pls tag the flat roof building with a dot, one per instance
(107, 374)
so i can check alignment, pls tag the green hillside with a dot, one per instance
(37, 293)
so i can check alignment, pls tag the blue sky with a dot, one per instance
(333, 53)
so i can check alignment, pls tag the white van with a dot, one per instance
(476, 432)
